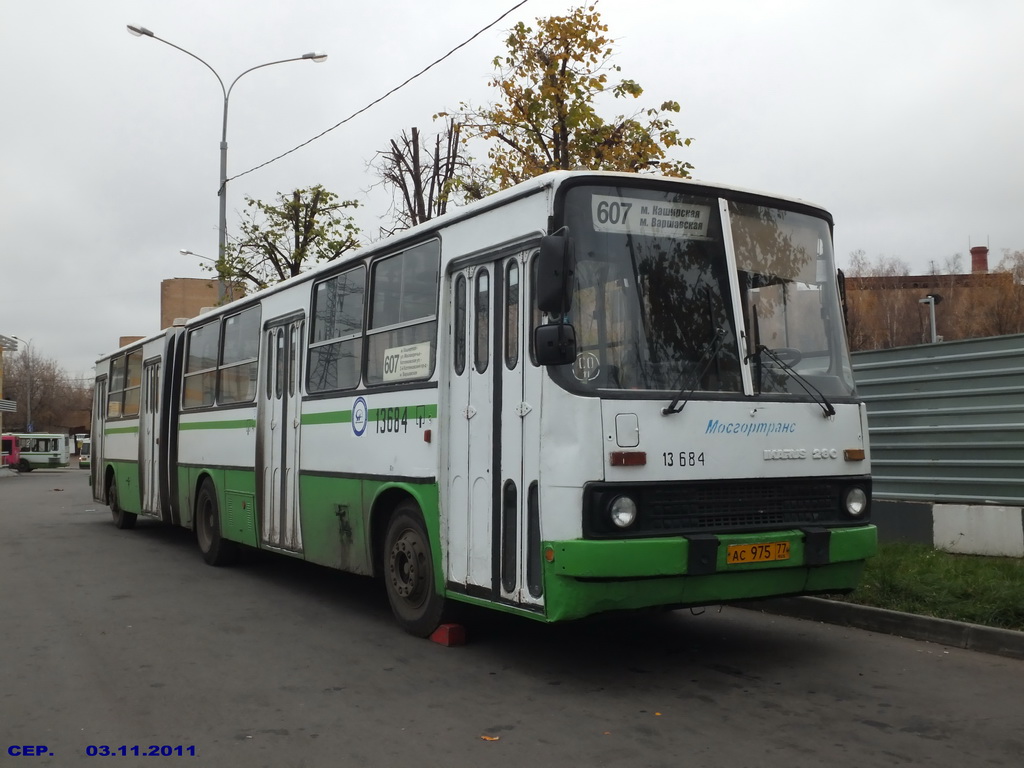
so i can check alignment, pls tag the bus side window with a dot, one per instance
(460, 325)
(481, 321)
(133, 384)
(402, 334)
(511, 314)
(240, 357)
(336, 345)
(536, 316)
(115, 396)
(200, 380)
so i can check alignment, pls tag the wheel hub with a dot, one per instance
(404, 566)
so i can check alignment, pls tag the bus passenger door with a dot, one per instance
(99, 426)
(517, 380)
(490, 471)
(467, 506)
(277, 442)
(149, 423)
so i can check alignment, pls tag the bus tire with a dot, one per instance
(409, 572)
(123, 520)
(215, 548)
(24, 466)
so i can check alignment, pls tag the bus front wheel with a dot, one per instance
(409, 573)
(122, 519)
(216, 549)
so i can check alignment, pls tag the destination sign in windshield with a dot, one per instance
(653, 218)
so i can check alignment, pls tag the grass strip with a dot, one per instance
(915, 578)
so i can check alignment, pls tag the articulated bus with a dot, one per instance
(590, 392)
(43, 451)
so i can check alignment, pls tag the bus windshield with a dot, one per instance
(790, 305)
(654, 305)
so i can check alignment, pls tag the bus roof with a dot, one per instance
(550, 181)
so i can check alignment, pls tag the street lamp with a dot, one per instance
(186, 252)
(139, 31)
(931, 300)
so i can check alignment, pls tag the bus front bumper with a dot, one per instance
(584, 577)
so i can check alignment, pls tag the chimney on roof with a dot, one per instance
(979, 259)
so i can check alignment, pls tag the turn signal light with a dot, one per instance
(854, 454)
(627, 458)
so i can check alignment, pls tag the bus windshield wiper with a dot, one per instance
(824, 404)
(711, 350)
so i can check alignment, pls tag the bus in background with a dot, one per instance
(589, 392)
(84, 450)
(44, 451)
(10, 453)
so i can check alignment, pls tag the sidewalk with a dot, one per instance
(957, 634)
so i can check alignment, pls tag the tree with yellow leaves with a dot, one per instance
(546, 119)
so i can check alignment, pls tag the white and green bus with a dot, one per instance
(590, 392)
(43, 451)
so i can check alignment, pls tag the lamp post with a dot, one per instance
(931, 300)
(139, 31)
(10, 345)
(29, 365)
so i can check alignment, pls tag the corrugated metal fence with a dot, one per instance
(946, 421)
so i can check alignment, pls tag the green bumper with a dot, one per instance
(587, 577)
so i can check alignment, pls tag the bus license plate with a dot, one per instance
(739, 554)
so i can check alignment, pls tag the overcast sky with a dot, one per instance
(903, 117)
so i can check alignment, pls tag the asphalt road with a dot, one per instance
(117, 639)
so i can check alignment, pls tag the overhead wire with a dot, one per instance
(376, 101)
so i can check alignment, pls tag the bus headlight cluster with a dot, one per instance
(855, 501)
(622, 511)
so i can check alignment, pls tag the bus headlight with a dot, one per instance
(622, 511)
(856, 501)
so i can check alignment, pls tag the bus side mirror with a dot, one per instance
(554, 344)
(556, 266)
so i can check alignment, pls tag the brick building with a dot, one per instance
(893, 310)
(185, 297)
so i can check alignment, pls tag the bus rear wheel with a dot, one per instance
(409, 573)
(123, 520)
(216, 549)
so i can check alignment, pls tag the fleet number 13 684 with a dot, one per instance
(683, 459)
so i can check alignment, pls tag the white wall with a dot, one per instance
(979, 530)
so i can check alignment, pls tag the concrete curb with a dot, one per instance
(958, 634)
(7, 472)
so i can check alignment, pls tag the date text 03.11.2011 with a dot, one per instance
(136, 750)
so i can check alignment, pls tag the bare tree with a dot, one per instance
(420, 175)
(884, 306)
(880, 313)
(48, 400)
(999, 309)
